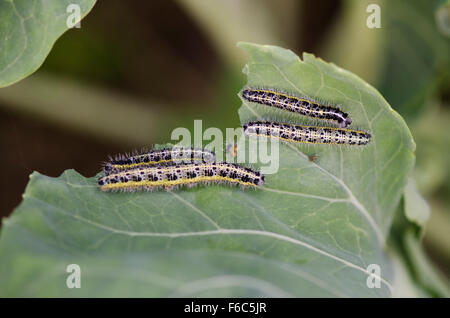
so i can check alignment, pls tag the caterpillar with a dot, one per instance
(307, 134)
(170, 177)
(172, 156)
(298, 105)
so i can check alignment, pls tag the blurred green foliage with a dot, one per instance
(416, 59)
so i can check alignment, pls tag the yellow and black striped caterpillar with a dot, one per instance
(298, 105)
(163, 157)
(170, 177)
(307, 134)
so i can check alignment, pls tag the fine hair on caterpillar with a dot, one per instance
(172, 177)
(297, 104)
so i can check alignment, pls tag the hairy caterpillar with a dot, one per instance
(307, 134)
(144, 158)
(169, 177)
(298, 105)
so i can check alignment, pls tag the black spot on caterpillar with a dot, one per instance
(307, 134)
(295, 104)
(164, 157)
(170, 177)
